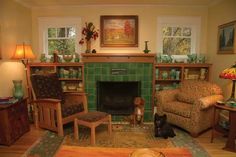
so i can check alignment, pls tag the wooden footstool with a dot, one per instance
(91, 120)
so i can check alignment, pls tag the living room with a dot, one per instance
(25, 20)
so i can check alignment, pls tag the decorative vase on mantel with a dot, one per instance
(88, 46)
(18, 92)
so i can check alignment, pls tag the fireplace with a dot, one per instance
(116, 97)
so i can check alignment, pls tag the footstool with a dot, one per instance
(91, 120)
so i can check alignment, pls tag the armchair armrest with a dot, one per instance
(209, 101)
(46, 101)
(166, 95)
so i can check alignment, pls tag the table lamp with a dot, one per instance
(24, 52)
(230, 73)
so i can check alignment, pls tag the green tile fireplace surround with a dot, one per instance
(102, 71)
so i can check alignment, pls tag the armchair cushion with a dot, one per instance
(178, 108)
(72, 109)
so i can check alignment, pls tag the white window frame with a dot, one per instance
(180, 21)
(57, 22)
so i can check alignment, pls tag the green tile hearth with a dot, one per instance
(134, 72)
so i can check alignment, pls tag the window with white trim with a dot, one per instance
(59, 35)
(178, 35)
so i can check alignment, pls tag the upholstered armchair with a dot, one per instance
(53, 108)
(190, 106)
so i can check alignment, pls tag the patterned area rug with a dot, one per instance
(122, 136)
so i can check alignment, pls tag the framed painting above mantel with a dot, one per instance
(119, 31)
(226, 38)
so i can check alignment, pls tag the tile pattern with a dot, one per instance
(135, 72)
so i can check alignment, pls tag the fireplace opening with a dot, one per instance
(116, 97)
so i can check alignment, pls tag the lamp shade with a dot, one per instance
(23, 52)
(229, 73)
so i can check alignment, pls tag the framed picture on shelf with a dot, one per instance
(119, 31)
(226, 38)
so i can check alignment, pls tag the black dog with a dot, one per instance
(162, 128)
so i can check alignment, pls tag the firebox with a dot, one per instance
(116, 97)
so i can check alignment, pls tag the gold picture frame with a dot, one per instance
(119, 31)
(226, 38)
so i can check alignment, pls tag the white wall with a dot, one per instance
(15, 28)
(219, 14)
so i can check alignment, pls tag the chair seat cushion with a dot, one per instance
(72, 109)
(178, 108)
(92, 116)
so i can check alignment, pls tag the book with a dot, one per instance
(10, 100)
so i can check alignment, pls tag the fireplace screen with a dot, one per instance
(116, 97)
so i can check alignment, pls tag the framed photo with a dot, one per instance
(226, 38)
(119, 31)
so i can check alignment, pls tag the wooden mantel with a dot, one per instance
(118, 57)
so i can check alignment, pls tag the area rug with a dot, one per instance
(123, 136)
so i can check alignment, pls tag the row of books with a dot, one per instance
(8, 100)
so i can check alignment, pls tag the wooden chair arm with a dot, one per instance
(46, 101)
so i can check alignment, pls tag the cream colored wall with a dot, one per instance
(15, 28)
(219, 14)
(147, 21)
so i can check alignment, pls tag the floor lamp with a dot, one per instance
(230, 73)
(24, 52)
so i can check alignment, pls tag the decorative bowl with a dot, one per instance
(68, 58)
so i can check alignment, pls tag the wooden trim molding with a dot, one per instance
(118, 57)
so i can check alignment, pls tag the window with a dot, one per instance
(178, 35)
(61, 40)
(59, 34)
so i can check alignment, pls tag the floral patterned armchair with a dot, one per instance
(190, 106)
(52, 107)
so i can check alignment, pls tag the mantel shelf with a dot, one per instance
(118, 57)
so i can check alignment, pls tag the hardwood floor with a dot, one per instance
(22, 144)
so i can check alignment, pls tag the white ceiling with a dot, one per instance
(44, 3)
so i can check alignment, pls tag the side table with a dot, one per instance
(230, 144)
(14, 121)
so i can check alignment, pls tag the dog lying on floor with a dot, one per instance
(162, 127)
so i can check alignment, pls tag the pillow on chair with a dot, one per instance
(47, 86)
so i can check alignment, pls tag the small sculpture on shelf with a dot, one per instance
(94, 51)
(203, 73)
(201, 58)
(67, 57)
(166, 58)
(146, 50)
(164, 75)
(185, 74)
(43, 58)
(173, 74)
(177, 75)
(192, 58)
(77, 58)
